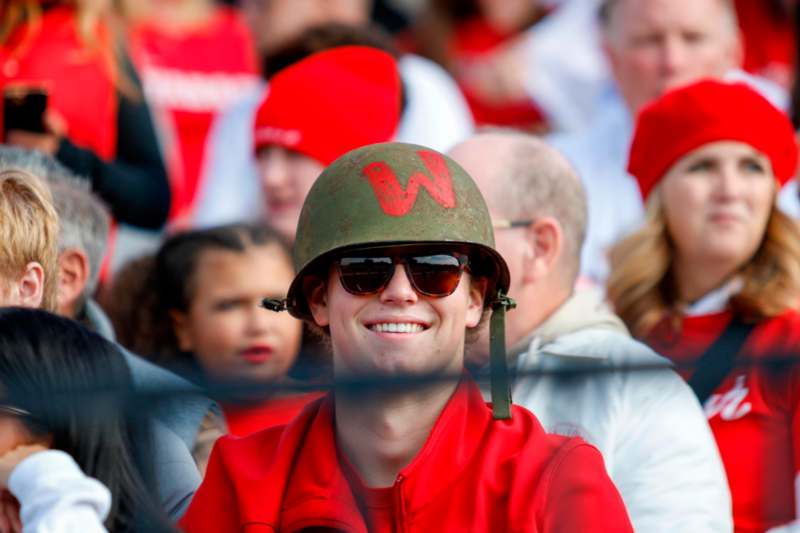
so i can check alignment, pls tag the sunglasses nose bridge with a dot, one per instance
(400, 285)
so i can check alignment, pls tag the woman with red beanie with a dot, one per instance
(712, 279)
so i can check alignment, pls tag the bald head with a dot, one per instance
(521, 177)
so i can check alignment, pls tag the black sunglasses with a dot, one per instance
(435, 275)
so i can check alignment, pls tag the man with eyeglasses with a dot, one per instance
(396, 262)
(647, 423)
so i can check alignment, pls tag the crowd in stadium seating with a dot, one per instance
(277, 265)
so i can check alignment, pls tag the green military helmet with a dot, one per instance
(392, 194)
(396, 195)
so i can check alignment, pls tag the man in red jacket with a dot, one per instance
(396, 261)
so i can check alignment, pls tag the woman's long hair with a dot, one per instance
(74, 384)
(97, 31)
(642, 289)
(26, 14)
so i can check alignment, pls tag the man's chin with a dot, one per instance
(384, 368)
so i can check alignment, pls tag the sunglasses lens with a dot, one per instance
(436, 275)
(365, 275)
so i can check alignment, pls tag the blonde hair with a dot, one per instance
(642, 290)
(16, 13)
(28, 230)
(96, 31)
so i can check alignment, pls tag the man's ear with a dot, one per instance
(477, 292)
(316, 292)
(545, 240)
(181, 329)
(73, 275)
(30, 287)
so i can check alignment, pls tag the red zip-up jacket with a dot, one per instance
(473, 474)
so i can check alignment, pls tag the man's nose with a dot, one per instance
(674, 57)
(399, 289)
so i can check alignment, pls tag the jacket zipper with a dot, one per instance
(400, 508)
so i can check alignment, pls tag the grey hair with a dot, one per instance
(606, 7)
(539, 181)
(83, 218)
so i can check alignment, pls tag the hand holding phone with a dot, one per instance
(24, 107)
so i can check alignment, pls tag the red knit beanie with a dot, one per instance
(685, 119)
(331, 102)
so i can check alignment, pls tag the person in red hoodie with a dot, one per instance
(396, 263)
(714, 273)
(314, 111)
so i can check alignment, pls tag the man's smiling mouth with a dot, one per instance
(397, 327)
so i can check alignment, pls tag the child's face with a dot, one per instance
(226, 328)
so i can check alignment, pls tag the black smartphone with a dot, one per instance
(24, 107)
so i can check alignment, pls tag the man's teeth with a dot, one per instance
(393, 327)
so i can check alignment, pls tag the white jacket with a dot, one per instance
(55, 496)
(648, 425)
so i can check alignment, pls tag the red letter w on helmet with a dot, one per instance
(398, 202)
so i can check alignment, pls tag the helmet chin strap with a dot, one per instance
(500, 386)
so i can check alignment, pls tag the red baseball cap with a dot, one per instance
(331, 102)
(707, 111)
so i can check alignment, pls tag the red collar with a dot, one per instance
(316, 485)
